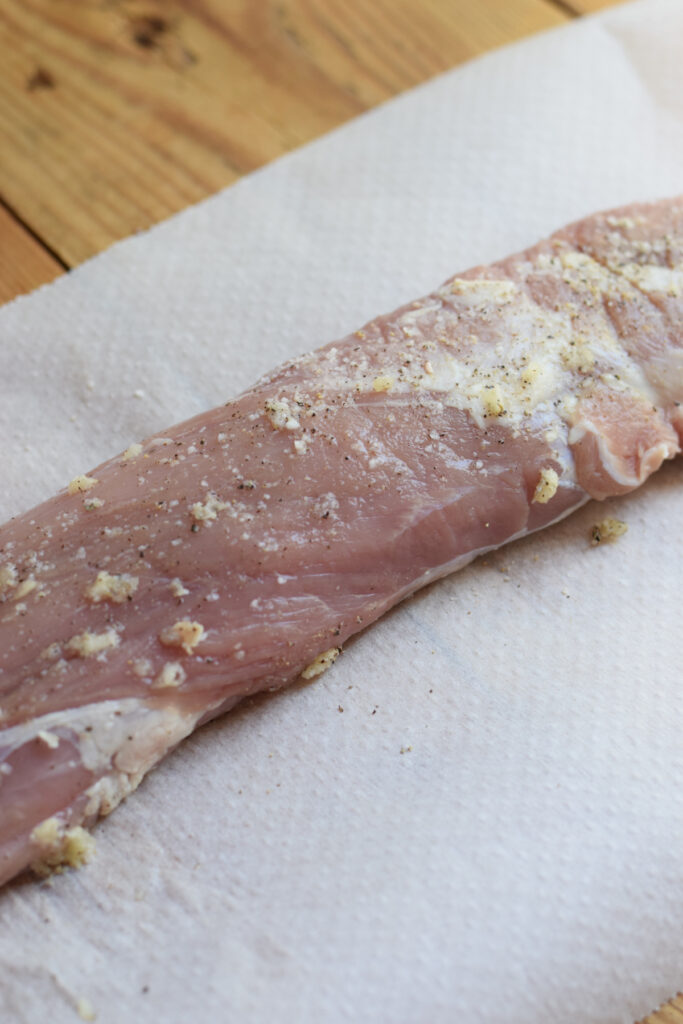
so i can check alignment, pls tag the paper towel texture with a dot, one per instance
(477, 814)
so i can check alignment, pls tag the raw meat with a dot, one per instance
(239, 550)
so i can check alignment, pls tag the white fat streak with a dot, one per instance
(580, 430)
(101, 731)
(478, 288)
(541, 360)
(536, 365)
(654, 278)
(647, 277)
(614, 467)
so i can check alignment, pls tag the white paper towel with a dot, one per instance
(477, 815)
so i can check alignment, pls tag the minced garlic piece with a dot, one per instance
(183, 634)
(383, 383)
(546, 487)
(177, 589)
(85, 1010)
(492, 400)
(60, 847)
(115, 587)
(172, 674)
(24, 588)
(79, 484)
(142, 667)
(8, 578)
(50, 739)
(132, 451)
(85, 645)
(484, 288)
(281, 415)
(91, 503)
(322, 662)
(47, 833)
(205, 511)
(607, 531)
(579, 357)
(621, 222)
(53, 650)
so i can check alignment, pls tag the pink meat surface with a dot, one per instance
(241, 549)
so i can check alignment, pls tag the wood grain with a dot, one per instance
(24, 262)
(590, 6)
(116, 113)
(669, 1013)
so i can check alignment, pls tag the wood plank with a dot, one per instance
(668, 1013)
(115, 114)
(590, 6)
(24, 263)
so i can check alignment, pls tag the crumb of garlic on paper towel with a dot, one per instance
(321, 663)
(607, 531)
(85, 1010)
(60, 847)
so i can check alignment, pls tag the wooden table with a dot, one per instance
(116, 113)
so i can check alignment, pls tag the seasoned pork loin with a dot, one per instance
(238, 551)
